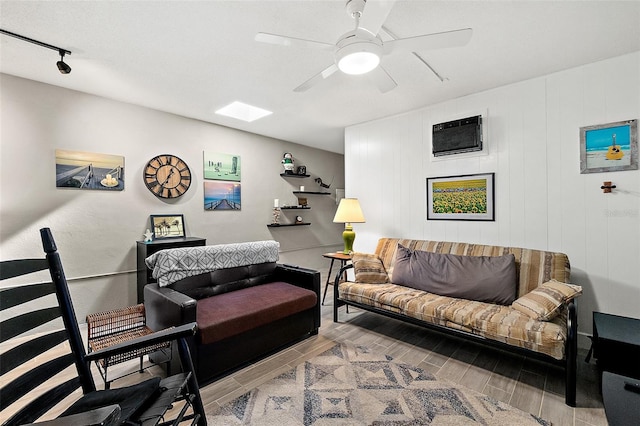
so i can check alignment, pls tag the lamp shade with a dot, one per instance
(349, 211)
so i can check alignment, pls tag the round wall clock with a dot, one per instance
(167, 176)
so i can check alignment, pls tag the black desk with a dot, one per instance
(616, 344)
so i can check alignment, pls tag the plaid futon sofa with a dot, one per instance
(539, 322)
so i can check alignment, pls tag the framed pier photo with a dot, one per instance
(89, 170)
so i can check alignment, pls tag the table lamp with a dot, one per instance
(348, 212)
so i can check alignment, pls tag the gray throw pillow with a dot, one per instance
(489, 279)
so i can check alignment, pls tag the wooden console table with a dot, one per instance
(145, 250)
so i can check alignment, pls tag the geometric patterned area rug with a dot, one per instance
(350, 385)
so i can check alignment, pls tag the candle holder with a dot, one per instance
(276, 216)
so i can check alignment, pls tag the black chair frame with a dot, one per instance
(31, 389)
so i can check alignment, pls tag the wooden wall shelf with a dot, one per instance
(293, 175)
(275, 225)
(312, 192)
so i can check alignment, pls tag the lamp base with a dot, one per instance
(348, 236)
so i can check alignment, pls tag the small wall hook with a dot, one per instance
(607, 187)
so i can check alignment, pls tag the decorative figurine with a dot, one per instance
(322, 184)
(148, 236)
(276, 216)
(287, 163)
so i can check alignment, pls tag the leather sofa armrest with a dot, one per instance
(298, 276)
(166, 307)
(301, 277)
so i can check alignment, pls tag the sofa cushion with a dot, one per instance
(544, 303)
(489, 279)
(495, 322)
(534, 266)
(232, 313)
(225, 280)
(369, 269)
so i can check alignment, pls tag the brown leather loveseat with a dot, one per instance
(243, 312)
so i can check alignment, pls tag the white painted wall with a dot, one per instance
(542, 200)
(96, 231)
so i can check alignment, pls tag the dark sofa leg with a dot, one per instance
(571, 354)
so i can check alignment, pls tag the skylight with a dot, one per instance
(242, 111)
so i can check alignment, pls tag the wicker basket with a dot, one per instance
(106, 329)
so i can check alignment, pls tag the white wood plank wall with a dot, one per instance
(542, 200)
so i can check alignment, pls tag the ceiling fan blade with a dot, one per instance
(442, 40)
(374, 14)
(322, 75)
(292, 41)
(383, 80)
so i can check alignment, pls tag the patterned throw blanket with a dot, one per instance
(172, 265)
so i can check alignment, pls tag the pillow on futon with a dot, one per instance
(369, 269)
(490, 279)
(544, 302)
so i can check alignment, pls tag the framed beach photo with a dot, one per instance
(465, 197)
(220, 166)
(167, 226)
(89, 170)
(609, 147)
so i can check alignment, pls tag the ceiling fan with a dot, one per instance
(359, 51)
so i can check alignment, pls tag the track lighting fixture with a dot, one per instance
(62, 66)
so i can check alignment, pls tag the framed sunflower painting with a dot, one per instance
(465, 197)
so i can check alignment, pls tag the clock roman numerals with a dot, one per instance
(167, 176)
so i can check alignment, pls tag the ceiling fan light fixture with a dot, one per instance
(359, 57)
(358, 63)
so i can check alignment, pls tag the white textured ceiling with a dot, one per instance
(193, 57)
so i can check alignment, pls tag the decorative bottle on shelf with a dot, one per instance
(276, 212)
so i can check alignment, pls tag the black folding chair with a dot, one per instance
(31, 331)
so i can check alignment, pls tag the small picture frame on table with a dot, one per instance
(167, 226)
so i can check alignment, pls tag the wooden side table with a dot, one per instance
(343, 258)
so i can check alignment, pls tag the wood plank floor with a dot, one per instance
(524, 383)
(527, 384)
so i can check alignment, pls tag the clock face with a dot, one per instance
(167, 176)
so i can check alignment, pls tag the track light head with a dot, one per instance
(62, 67)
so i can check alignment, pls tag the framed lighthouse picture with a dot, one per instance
(609, 147)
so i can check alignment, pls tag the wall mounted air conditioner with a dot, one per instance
(457, 136)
